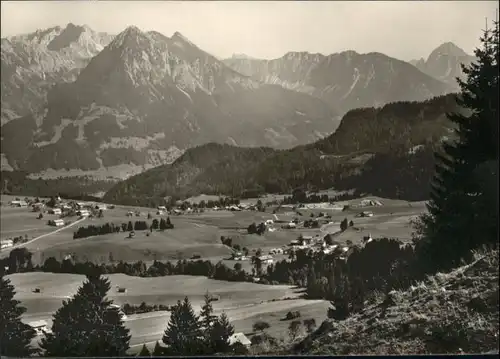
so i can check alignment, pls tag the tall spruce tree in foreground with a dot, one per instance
(207, 321)
(144, 351)
(221, 331)
(15, 336)
(158, 350)
(87, 324)
(183, 335)
(462, 215)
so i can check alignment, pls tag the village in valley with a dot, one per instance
(249, 235)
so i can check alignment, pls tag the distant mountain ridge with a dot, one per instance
(32, 63)
(345, 80)
(145, 98)
(76, 101)
(444, 63)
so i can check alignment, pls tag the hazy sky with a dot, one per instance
(268, 29)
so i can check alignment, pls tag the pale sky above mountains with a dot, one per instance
(269, 29)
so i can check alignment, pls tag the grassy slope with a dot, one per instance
(448, 313)
(269, 303)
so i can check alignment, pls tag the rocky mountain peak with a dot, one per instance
(449, 49)
(71, 33)
(131, 37)
(178, 36)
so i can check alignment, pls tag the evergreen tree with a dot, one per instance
(206, 315)
(15, 336)
(252, 228)
(344, 224)
(169, 224)
(87, 324)
(183, 334)
(220, 334)
(456, 222)
(130, 227)
(155, 224)
(144, 351)
(158, 350)
(163, 225)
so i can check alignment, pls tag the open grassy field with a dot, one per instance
(199, 234)
(16, 222)
(268, 303)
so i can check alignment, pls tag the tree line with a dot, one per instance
(107, 228)
(301, 196)
(143, 308)
(20, 261)
(77, 188)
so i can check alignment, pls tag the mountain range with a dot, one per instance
(345, 80)
(77, 101)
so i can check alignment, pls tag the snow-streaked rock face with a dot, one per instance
(444, 63)
(144, 98)
(32, 63)
(345, 80)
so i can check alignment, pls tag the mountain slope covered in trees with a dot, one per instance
(386, 151)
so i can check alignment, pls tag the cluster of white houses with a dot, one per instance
(18, 203)
(6, 243)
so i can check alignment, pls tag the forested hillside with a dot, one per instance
(18, 183)
(386, 151)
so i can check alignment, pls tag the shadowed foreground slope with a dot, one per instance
(456, 312)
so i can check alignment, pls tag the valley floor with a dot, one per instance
(195, 234)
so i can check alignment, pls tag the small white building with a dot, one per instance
(266, 259)
(6, 243)
(162, 208)
(80, 205)
(276, 251)
(239, 338)
(55, 211)
(269, 221)
(18, 203)
(56, 222)
(294, 242)
(83, 213)
(290, 225)
(101, 207)
(40, 327)
(366, 214)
